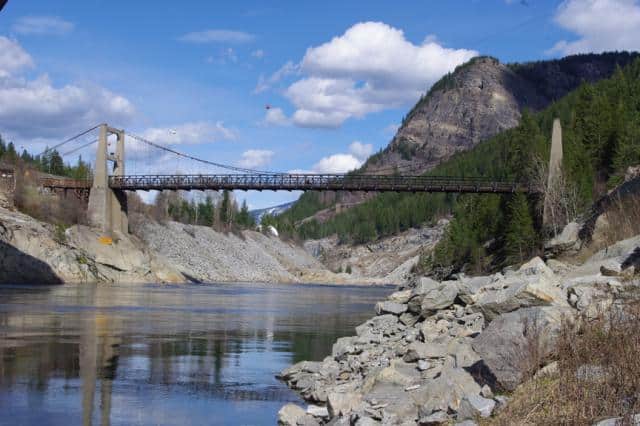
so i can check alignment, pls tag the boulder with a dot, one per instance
(302, 366)
(445, 392)
(504, 345)
(419, 350)
(401, 297)
(345, 346)
(422, 285)
(317, 411)
(521, 290)
(438, 298)
(568, 240)
(389, 307)
(439, 418)
(469, 287)
(290, 414)
(341, 404)
(474, 406)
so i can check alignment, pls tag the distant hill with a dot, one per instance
(482, 98)
(274, 211)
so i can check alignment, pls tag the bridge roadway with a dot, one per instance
(297, 182)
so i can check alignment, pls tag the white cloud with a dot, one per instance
(259, 54)
(369, 68)
(343, 162)
(42, 25)
(265, 83)
(36, 111)
(600, 25)
(276, 117)
(361, 150)
(337, 163)
(217, 36)
(13, 57)
(190, 133)
(255, 158)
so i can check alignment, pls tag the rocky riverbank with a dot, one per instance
(36, 252)
(444, 352)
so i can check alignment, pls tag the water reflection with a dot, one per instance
(163, 355)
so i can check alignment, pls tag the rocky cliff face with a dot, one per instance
(479, 100)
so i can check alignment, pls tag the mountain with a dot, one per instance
(273, 211)
(480, 99)
(457, 150)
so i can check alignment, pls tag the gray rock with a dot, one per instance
(469, 287)
(445, 392)
(518, 291)
(474, 406)
(440, 297)
(341, 404)
(317, 411)
(409, 319)
(290, 414)
(388, 307)
(424, 285)
(486, 392)
(308, 420)
(611, 268)
(345, 346)
(504, 347)
(302, 366)
(419, 350)
(366, 421)
(568, 240)
(438, 418)
(423, 364)
(401, 297)
(466, 423)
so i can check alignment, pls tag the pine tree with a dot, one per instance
(520, 235)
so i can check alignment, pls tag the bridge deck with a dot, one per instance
(298, 182)
(308, 182)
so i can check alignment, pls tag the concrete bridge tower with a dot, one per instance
(555, 173)
(107, 207)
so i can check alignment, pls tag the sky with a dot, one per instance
(281, 85)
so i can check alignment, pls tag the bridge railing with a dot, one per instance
(331, 182)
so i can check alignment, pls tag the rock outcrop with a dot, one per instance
(437, 351)
(482, 98)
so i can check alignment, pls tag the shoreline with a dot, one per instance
(448, 352)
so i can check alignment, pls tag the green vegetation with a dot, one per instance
(601, 135)
(51, 162)
(225, 215)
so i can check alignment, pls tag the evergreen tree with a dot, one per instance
(520, 235)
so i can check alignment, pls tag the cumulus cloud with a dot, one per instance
(371, 67)
(255, 158)
(337, 163)
(343, 162)
(599, 24)
(360, 150)
(276, 117)
(217, 36)
(190, 133)
(38, 110)
(42, 25)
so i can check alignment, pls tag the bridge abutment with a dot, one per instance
(107, 207)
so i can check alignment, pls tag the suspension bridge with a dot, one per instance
(107, 186)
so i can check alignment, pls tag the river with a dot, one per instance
(164, 355)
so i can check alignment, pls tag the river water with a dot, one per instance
(164, 355)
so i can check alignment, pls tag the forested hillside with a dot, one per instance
(601, 124)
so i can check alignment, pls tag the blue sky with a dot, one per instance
(197, 75)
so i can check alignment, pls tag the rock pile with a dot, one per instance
(437, 351)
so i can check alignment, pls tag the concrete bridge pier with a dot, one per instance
(107, 207)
